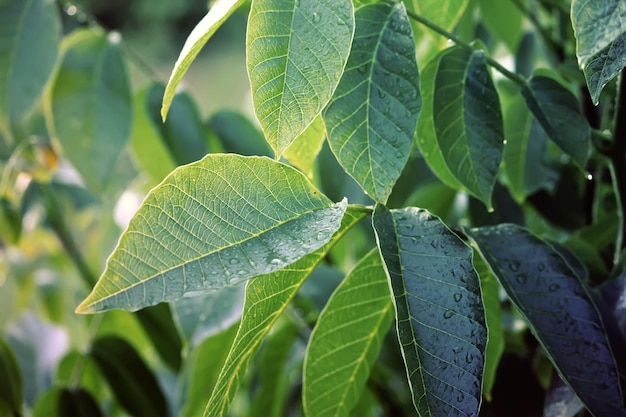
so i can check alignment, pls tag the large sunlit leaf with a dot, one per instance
(90, 108)
(266, 298)
(558, 310)
(440, 315)
(347, 339)
(220, 11)
(372, 116)
(29, 38)
(296, 53)
(600, 29)
(211, 224)
(558, 112)
(135, 386)
(468, 120)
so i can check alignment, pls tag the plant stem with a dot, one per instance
(618, 165)
(518, 79)
(359, 208)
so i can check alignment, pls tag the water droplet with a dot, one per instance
(448, 314)
(541, 267)
(321, 236)
(381, 93)
(234, 261)
(275, 261)
(434, 244)
(521, 278)
(460, 397)
(316, 17)
(362, 69)
(341, 22)
(554, 287)
(514, 266)
(458, 296)
(469, 358)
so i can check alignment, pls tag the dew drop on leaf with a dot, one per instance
(448, 314)
(458, 296)
(514, 266)
(553, 287)
(521, 278)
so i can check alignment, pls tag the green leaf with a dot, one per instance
(160, 328)
(526, 157)
(372, 116)
(220, 11)
(504, 19)
(445, 13)
(347, 339)
(296, 54)
(90, 109)
(558, 112)
(29, 34)
(426, 135)
(468, 120)
(135, 386)
(559, 311)
(440, 316)
(302, 153)
(266, 298)
(211, 224)
(600, 29)
(78, 403)
(11, 385)
(238, 134)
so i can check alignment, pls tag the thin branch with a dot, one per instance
(618, 165)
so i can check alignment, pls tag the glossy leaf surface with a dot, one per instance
(29, 38)
(211, 224)
(296, 54)
(468, 120)
(372, 116)
(559, 311)
(346, 340)
(440, 316)
(90, 105)
(219, 12)
(266, 299)
(558, 112)
(600, 29)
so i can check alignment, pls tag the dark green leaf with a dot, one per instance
(558, 112)
(347, 339)
(214, 223)
(11, 388)
(78, 403)
(134, 385)
(440, 316)
(559, 311)
(238, 135)
(372, 116)
(159, 327)
(10, 221)
(30, 32)
(468, 120)
(600, 28)
(90, 105)
(296, 54)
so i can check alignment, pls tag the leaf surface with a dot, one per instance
(440, 316)
(266, 299)
(372, 117)
(468, 120)
(296, 53)
(445, 13)
(220, 11)
(346, 340)
(302, 153)
(600, 30)
(504, 19)
(11, 387)
(29, 39)
(211, 224)
(90, 107)
(559, 311)
(558, 112)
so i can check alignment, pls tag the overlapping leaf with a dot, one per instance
(220, 11)
(346, 340)
(445, 13)
(468, 120)
(372, 116)
(558, 112)
(90, 105)
(266, 298)
(211, 224)
(440, 316)
(600, 29)
(302, 153)
(559, 311)
(29, 38)
(296, 52)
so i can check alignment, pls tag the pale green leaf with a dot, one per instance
(303, 151)
(214, 223)
(372, 116)
(29, 38)
(558, 111)
(90, 106)
(346, 340)
(220, 11)
(504, 19)
(296, 53)
(440, 315)
(468, 120)
(600, 29)
(445, 13)
(266, 298)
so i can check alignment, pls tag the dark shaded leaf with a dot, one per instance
(11, 386)
(78, 403)
(159, 326)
